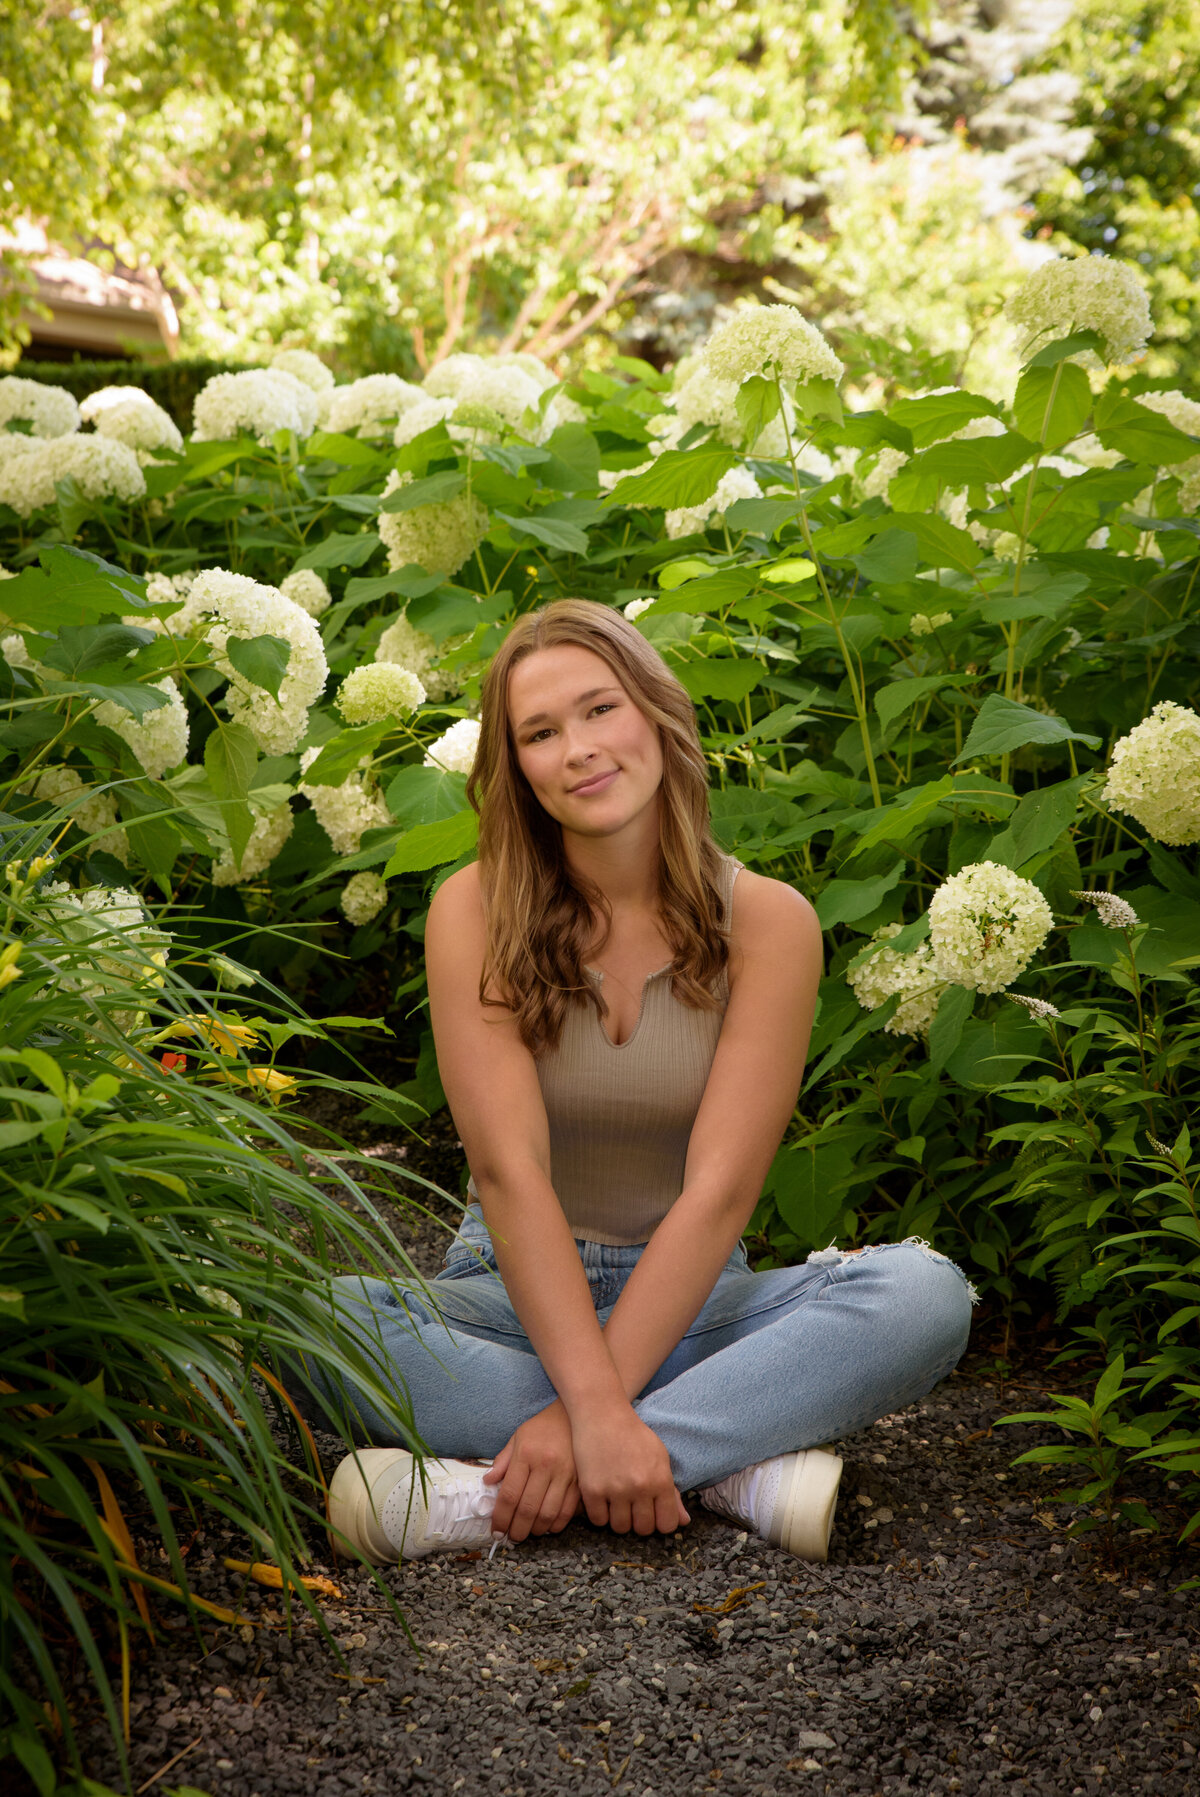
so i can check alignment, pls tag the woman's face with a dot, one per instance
(592, 759)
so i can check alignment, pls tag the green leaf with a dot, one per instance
(572, 464)
(890, 559)
(262, 660)
(431, 845)
(845, 901)
(556, 533)
(409, 582)
(341, 755)
(1037, 823)
(230, 757)
(1109, 1383)
(135, 699)
(340, 551)
(12, 1307)
(939, 415)
(894, 699)
(156, 843)
(1005, 724)
(454, 611)
(425, 795)
(678, 477)
(809, 1187)
(348, 452)
(1062, 347)
(728, 679)
(975, 462)
(435, 489)
(994, 1052)
(709, 593)
(1052, 404)
(818, 399)
(945, 1032)
(942, 544)
(72, 587)
(761, 517)
(1137, 432)
(757, 404)
(79, 650)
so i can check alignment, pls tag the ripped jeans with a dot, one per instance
(775, 1361)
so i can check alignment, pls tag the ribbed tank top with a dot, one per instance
(621, 1115)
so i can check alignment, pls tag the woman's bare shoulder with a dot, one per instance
(759, 901)
(456, 921)
(769, 915)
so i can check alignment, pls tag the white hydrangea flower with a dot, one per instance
(1188, 497)
(259, 402)
(636, 607)
(921, 624)
(408, 647)
(306, 589)
(610, 476)
(543, 378)
(271, 830)
(703, 397)
(502, 387)
(132, 417)
(422, 416)
(363, 897)
(1184, 414)
(438, 538)
(169, 589)
(1154, 774)
(914, 976)
(49, 411)
(246, 609)
(366, 405)
(304, 366)
(13, 649)
(379, 691)
(95, 815)
(888, 464)
(112, 919)
(757, 339)
(345, 811)
(1085, 293)
(985, 925)
(160, 740)
(101, 467)
(1114, 912)
(455, 750)
(739, 483)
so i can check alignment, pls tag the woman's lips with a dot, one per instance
(599, 784)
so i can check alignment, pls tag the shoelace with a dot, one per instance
(459, 1508)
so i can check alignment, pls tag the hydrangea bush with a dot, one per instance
(945, 662)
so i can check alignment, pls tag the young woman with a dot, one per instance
(621, 1014)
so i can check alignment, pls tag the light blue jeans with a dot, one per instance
(775, 1361)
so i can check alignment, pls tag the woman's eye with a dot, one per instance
(605, 705)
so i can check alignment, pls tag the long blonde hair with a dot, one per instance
(539, 915)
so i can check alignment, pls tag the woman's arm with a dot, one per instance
(492, 1087)
(775, 968)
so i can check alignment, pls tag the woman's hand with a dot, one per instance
(624, 1473)
(539, 1494)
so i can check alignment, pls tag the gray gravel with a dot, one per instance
(955, 1641)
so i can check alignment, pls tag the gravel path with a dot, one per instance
(954, 1642)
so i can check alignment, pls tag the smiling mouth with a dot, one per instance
(596, 782)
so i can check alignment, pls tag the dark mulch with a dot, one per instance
(956, 1641)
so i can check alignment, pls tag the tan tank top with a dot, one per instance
(621, 1116)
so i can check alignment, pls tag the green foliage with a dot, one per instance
(898, 682)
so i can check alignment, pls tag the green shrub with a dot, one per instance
(919, 641)
(162, 1243)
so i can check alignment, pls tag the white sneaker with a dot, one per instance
(788, 1500)
(378, 1501)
